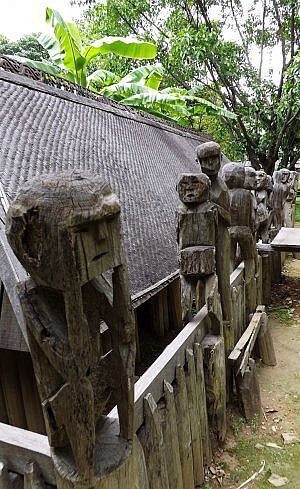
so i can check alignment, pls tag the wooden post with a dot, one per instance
(184, 430)
(215, 383)
(154, 448)
(65, 230)
(174, 302)
(249, 391)
(171, 441)
(193, 398)
(265, 343)
(206, 445)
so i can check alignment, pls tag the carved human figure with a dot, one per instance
(242, 217)
(262, 214)
(250, 184)
(209, 157)
(65, 230)
(197, 221)
(277, 202)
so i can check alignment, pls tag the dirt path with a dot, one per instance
(246, 447)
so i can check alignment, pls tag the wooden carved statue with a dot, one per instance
(289, 181)
(242, 217)
(65, 230)
(277, 198)
(262, 213)
(250, 184)
(209, 157)
(197, 220)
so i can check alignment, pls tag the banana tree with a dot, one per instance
(69, 58)
(140, 89)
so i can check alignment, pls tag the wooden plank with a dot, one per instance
(288, 239)
(202, 408)
(237, 276)
(196, 434)
(184, 430)
(31, 400)
(164, 366)
(215, 383)
(18, 447)
(257, 318)
(265, 343)
(249, 392)
(254, 324)
(154, 448)
(174, 302)
(171, 441)
(12, 389)
(3, 412)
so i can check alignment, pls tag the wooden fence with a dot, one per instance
(180, 407)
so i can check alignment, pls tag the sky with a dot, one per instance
(19, 17)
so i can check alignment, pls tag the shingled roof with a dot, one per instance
(46, 129)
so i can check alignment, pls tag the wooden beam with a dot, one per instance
(18, 447)
(164, 366)
(253, 328)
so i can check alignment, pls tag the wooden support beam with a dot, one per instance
(265, 343)
(249, 392)
(206, 445)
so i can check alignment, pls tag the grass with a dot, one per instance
(285, 462)
(297, 213)
(283, 313)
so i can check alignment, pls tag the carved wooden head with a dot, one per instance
(284, 175)
(250, 178)
(261, 179)
(233, 175)
(65, 221)
(193, 188)
(209, 157)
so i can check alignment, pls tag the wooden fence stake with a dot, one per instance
(193, 398)
(154, 446)
(206, 445)
(171, 442)
(184, 430)
(215, 383)
(265, 343)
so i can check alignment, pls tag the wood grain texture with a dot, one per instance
(184, 430)
(200, 380)
(193, 397)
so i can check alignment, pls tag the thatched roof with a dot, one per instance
(45, 129)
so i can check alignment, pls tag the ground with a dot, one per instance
(245, 448)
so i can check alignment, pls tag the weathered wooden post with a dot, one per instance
(196, 236)
(209, 157)
(65, 230)
(262, 214)
(242, 228)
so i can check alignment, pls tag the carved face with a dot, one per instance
(234, 175)
(250, 178)
(209, 157)
(96, 249)
(193, 189)
(285, 175)
(261, 179)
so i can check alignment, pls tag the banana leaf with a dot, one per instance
(148, 75)
(123, 46)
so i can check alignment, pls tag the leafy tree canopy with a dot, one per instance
(27, 46)
(197, 53)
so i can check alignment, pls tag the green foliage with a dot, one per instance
(70, 58)
(27, 46)
(140, 89)
(195, 51)
(283, 313)
(297, 213)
